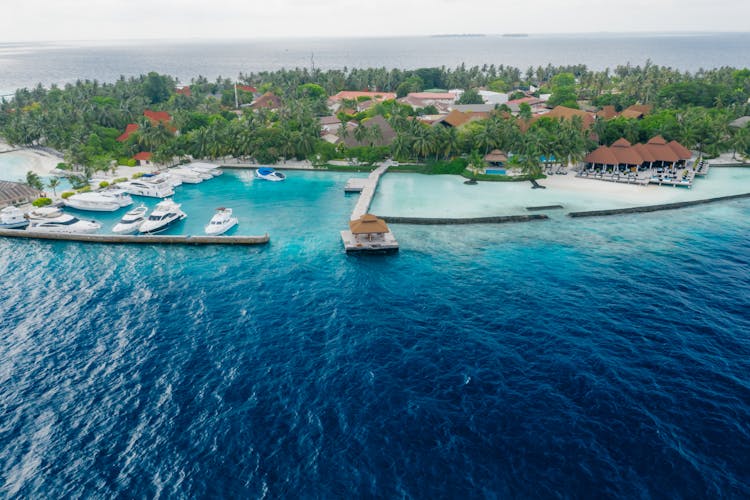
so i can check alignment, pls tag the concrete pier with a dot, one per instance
(355, 185)
(144, 239)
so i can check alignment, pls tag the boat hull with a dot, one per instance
(218, 230)
(147, 228)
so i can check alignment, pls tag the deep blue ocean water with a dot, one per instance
(568, 358)
(26, 64)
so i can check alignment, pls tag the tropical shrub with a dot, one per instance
(67, 194)
(137, 175)
(42, 202)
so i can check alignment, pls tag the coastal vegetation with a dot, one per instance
(86, 120)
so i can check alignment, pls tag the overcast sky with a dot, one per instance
(136, 19)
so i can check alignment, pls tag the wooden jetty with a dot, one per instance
(355, 185)
(144, 239)
(369, 186)
(366, 232)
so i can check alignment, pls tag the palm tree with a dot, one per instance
(52, 184)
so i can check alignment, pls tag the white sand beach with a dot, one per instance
(23, 160)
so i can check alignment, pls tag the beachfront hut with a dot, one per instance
(627, 156)
(143, 158)
(601, 159)
(496, 158)
(664, 156)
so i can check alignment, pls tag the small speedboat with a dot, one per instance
(221, 222)
(165, 214)
(131, 221)
(12, 218)
(269, 174)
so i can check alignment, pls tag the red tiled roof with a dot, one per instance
(143, 156)
(660, 151)
(129, 130)
(247, 88)
(157, 116)
(184, 91)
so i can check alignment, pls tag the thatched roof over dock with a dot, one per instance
(368, 224)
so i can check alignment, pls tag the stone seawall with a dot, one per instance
(471, 220)
(138, 239)
(656, 208)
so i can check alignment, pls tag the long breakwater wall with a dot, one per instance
(471, 220)
(656, 208)
(138, 239)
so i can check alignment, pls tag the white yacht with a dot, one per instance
(159, 188)
(165, 176)
(131, 221)
(165, 214)
(269, 174)
(207, 168)
(43, 213)
(12, 218)
(187, 176)
(54, 221)
(100, 201)
(221, 222)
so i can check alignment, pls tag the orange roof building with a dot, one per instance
(654, 153)
(130, 129)
(184, 91)
(143, 156)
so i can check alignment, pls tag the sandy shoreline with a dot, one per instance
(37, 161)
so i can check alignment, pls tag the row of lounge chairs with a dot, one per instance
(558, 171)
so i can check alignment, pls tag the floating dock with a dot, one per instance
(138, 239)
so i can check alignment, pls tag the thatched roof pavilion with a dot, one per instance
(368, 224)
(495, 156)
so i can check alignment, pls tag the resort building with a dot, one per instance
(378, 132)
(335, 102)
(441, 100)
(155, 117)
(267, 101)
(538, 106)
(458, 118)
(329, 124)
(185, 90)
(657, 162)
(16, 193)
(634, 112)
(143, 158)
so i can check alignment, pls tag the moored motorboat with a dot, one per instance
(208, 168)
(188, 176)
(12, 218)
(55, 221)
(100, 201)
(165, 214)
(155, 188)
(221, 222)
(131, 221)
(269, 174)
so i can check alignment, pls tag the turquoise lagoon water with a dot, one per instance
(605, 357)
(447, 196)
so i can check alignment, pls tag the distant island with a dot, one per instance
(458, 35)
(516, 35)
